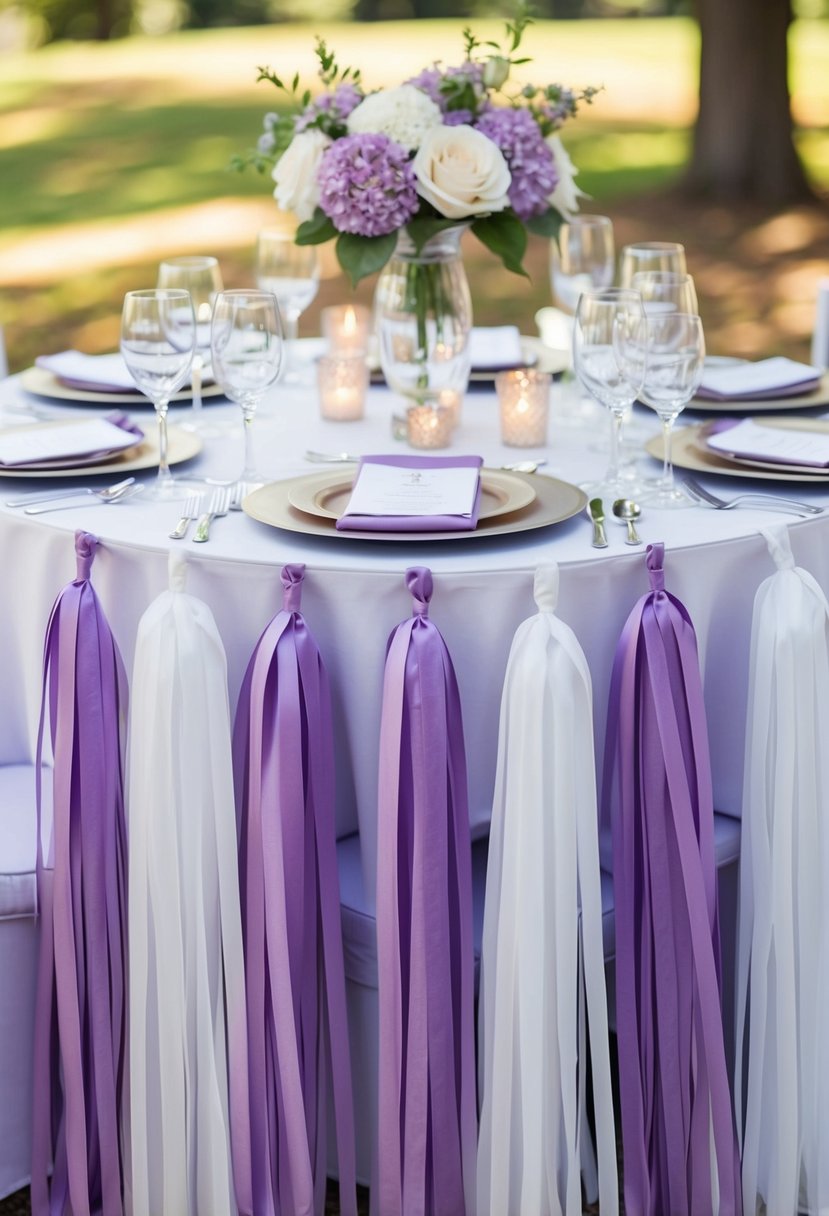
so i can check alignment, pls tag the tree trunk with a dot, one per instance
(743, 147)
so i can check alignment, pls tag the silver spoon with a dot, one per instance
(54, 495)
(627, 512)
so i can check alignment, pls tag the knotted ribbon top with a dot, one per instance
(655, 562)
(293, 577)
(420, 585)
(545, 588)
(177, 570)
(777, 539)
(85, 547)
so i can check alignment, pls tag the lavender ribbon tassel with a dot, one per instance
(427, 1105)
(675, 1099)
(294, 972)
(79, 1047)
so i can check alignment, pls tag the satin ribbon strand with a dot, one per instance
(80, 1009)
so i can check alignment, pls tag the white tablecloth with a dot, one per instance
(355, 594)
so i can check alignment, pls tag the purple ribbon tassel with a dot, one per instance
(675, 1098)
(283, 759)
(79, 1028)
(427, 1105)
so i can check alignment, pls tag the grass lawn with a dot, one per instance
(114, 156)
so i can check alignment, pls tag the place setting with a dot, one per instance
(769, 448)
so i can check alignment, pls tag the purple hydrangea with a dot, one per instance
(430, 80)
(367, 185)
(335, 106)
(530, 161)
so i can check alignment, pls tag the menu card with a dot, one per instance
(414, 494)
(776, 377)
(776, 446)
(24, 446)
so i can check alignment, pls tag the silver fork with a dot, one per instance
(768, 502)
(218, 505)
(190, 510)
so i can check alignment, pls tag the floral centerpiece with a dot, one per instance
(450, 145)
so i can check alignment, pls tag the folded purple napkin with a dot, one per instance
(416, 523)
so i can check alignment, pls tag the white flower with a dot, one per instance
(404, 115)
(565, 197)
(295, 173)
(461, 172)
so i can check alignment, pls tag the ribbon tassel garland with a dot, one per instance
(783, 944)
(542, 965)
(680, 1153)
(427, 1104)
(188, 1105)
(80, 1009)
(283, 751)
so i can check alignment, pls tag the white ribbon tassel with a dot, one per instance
(783, 943)
(186, 990)
(542, 965)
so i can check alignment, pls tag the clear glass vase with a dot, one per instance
(423, 317)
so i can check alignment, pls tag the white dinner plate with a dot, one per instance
(44, 384)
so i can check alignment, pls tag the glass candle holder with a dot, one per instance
(429, 426)
(524, 398)
(346, 328)
(343, 381)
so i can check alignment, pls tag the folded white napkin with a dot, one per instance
(775, 445)
(777, 377)
(34, 445)
(495, 347)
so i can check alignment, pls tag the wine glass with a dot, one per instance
(158, 339)
(291, 273)
(609, 342)
(651, 255)
(582, 259)
(665, 291)
(674, 366)
(246, 348)
(202, 277)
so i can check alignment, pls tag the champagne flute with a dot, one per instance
(246, 347)
(202, 277)
(665, 291)
(609, 342)
(581, 259)
(291, 273)
(675, 359)
(651, 255)
(158, 339)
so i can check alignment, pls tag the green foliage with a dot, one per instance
(317, 230)
(360, 256)
(505, 236)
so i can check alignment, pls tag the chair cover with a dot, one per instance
(80, 1003)
(283, 752)
(783, 943)
(427, 1119)
(542, 959)
(187, 1033)
(680, 1153)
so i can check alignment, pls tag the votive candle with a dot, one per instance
(429, 426)
(346, 328)
(524, 398)
(451, 400)
(343, 381)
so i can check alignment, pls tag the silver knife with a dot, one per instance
(597, 516)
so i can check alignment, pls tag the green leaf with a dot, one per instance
(506, 237)
(363, 255)
(423, 227)
(316, 230)
(546, 224)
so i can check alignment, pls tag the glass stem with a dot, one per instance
(249, 471)
(196, 376)
(164, 477)
(616, 421)
(667, 462)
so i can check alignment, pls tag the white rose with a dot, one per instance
(295, 173)
(565, 197)
(461, 172)
(404, 114)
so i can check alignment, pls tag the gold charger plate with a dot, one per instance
(690, 452)
(553, 502)
(327, 494)
(182, 445)
(817, 397)
(44, 384)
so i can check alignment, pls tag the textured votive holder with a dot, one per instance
(450, 399)
(346, 328)
(429, 426)
(343, 381)
(524, 398)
